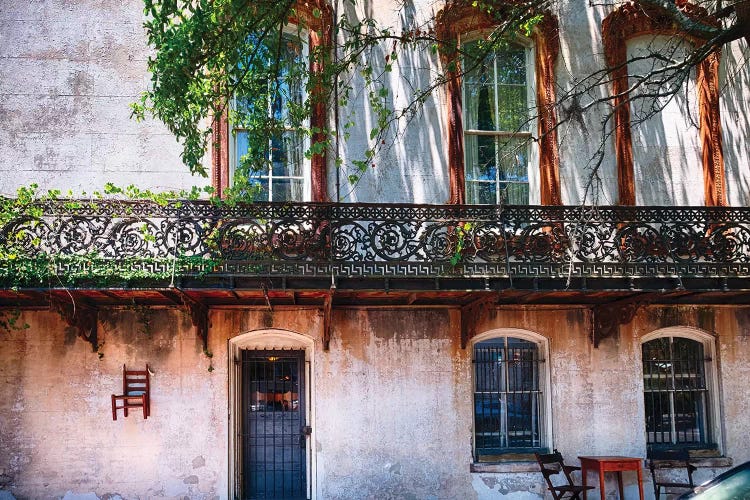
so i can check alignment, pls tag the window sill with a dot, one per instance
(711, 462)
(700, 462)
(519, 463)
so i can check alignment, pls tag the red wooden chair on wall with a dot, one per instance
(136, 392)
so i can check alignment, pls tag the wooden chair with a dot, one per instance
(136, 393)
(552, 464)
(661, 459)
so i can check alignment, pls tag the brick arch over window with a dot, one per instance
(317, 18)
(633, 20)
(459, 18)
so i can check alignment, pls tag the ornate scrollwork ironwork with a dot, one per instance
(368, 240)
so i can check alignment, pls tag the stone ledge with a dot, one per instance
(712, 462)
(505, 467)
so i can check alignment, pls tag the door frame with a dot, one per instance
(266, 340)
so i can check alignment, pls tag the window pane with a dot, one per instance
(511, 65)
(513, 156)
(480, 193)
(513, 112)
(287, 154)
(287, 189)
(658, 419)
(260, 188)
(240, 145)
(514, 194)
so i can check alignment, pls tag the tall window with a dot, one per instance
(497, 125)
(508, 397)
(676, 393)
(275, 170)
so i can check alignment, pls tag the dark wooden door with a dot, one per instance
(274, 428)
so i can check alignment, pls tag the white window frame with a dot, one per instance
(531, 125)
(710, 369)
(303, 37)
(545, 383)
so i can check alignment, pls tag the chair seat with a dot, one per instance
(674, 485)
(572, 488)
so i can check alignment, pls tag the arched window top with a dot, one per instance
(510, 332)
(460, 18)
(272, 339)
(679, 331)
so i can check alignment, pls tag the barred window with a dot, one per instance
(508, 397)
(676, 393)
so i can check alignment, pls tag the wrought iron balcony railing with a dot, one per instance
(101, 242)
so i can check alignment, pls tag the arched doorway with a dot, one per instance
(270, 415)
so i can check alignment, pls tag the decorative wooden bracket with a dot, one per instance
(327, 310)
(78, 315)
(472, 314)
(199, 316)
(608, 317)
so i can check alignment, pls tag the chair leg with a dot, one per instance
(114, 408)
(145, 409)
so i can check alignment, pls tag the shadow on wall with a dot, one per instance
(410, 165)
(667, 158)
(734, 78)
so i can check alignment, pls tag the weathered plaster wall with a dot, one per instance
(69, 69)
(392, 400)
(734, 75)
(68, 72)
(56, 428)
(666, 147)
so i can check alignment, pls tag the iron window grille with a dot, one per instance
(676, 393)
(508, 394)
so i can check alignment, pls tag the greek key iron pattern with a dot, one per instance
(373, 241)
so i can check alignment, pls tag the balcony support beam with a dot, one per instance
(474, 313)
(78, 315)
(198, 315)
(607, 318)
(327, 313)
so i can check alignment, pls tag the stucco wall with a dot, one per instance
(68, 72)
(69, 69)
(391, 400)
